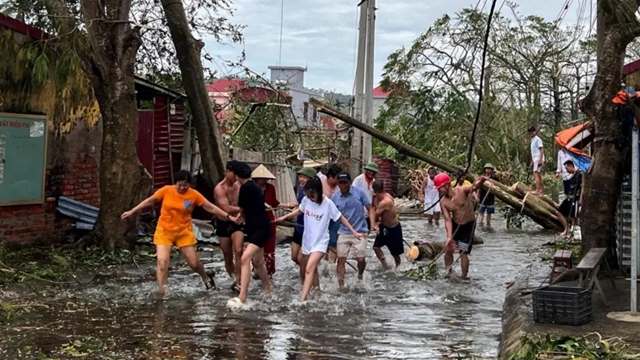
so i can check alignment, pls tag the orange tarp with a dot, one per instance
(576, 138)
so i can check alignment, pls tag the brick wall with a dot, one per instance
(79, 180)
(75, 177)
(23, 224)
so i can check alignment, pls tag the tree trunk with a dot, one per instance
(530, 204)
(188, 52)
(617, 27)
(109, 64)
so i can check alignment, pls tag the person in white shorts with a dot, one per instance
(537, 158)
(355, 205)
(430, 197)
(318, 212)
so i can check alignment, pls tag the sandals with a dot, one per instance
(210, 283)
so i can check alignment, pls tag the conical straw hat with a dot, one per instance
(261, 172)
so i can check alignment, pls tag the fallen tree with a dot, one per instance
(541, 210)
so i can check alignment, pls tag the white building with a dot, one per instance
(291, 78)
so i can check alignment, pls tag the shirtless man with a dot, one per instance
(458, 210)
(387, 225)
(230, 234)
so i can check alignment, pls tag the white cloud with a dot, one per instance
(321, 34)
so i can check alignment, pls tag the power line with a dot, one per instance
(480, 90)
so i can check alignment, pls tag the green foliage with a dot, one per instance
(423, 272)
(590, 347)
(533, 77)
(57, 265)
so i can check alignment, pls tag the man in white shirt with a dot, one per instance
(561, 171)
(365, 180)
(537, 158)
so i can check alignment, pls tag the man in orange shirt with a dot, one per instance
(174, 226)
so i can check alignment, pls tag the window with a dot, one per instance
(306, 111)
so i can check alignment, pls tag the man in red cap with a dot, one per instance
(458, 205)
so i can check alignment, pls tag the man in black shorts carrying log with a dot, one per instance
(229, 233)
(387, 225)
(256, 226)
(458, 210)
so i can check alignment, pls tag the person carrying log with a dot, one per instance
(571, 204)
(256, 225)
(175, 227)
(458, 210)
(430, 198)
(317, 210)
(365, 180)
(387, 224)
(229, 233)
(261, 175)
(487, 199)
(354, 204)
(304, 175)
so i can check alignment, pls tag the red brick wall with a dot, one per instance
(79, 180)
(23, 223)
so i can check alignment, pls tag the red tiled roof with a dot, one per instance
(22, 28)
(225, 85)
(631, 68)
(379, 92)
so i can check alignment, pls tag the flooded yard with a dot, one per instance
(385, 316)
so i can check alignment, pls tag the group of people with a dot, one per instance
(567, 170)
(431, 197)
(334, 215)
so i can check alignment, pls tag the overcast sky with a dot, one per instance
(322, 34)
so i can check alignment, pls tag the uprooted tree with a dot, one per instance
(617, 28)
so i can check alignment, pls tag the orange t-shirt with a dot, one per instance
(175, 213)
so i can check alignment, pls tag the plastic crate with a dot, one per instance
(562, 305)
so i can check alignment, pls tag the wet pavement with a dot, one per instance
(385, 316)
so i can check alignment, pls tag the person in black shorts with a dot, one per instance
(463, 236)
(387, 225)
(256, 226)
(571, 204)
(229, 234)
(391, 237)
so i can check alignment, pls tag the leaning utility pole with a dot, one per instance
(363, 106)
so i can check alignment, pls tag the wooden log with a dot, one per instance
(539, 214)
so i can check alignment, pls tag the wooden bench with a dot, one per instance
(589, 267)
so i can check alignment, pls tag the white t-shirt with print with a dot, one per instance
(316, 224)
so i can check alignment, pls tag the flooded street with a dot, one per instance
(386, 316)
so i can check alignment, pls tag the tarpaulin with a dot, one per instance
(574, 140)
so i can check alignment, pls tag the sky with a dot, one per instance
(322, 34)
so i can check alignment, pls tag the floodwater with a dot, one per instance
(386, 316)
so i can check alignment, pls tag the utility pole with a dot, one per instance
(363, 107)
(368, 80)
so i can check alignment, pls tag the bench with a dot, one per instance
(589, 267)
(84, 214)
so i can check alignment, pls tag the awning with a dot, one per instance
(575, 139)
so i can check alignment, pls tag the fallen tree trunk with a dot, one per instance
(534, 207)
(188, 53)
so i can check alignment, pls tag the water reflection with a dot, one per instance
(387, 316)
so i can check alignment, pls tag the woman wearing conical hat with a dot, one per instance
(261, 176)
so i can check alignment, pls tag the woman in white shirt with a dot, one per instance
(318, 211)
